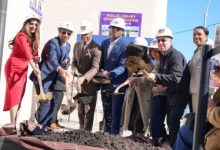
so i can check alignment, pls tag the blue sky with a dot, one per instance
(184, 15)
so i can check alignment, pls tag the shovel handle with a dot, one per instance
(42, 95)
(68, 90)
(146, 74)
(116, 91)
(78, 87)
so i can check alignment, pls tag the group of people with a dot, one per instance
(159, 91)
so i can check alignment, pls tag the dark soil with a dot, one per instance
(99, 139)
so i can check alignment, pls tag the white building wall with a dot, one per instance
(17, 11)
(153, 16)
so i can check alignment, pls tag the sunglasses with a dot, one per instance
(68, 33)
(161, 40)
(117, 28)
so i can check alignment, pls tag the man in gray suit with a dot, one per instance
(86, 59)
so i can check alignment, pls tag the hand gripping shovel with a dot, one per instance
(145, 73)
(133, 64)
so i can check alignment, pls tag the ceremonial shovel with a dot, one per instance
(42, 96)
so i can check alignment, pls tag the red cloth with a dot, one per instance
(16, 69)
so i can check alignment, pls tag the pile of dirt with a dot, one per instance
(99, 139)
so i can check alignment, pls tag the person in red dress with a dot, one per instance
(24, 52)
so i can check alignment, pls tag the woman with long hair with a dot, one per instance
(24, 52)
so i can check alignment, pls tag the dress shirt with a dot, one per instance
(111, 45)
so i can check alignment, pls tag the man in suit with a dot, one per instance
(86, 60)
(55, 58)
(112, 67)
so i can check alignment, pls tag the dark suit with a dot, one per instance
(88, 65)
(114, 64)
(54, 53)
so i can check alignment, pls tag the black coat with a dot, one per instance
(174, 72)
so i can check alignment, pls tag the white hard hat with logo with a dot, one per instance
(153, 44)
(164, 32)
(85, 27)
(66, 25)
(32, 16)
(118, 22)
(210, 42)
(140, 41)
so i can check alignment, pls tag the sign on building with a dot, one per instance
(132, 23)
(37, 6)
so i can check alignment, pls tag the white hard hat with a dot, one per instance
(85, 27)
(118, 22)
(153, 44)
(210, 42)
(32, 16)
(164, 32)
(66, 25)
(140, 41)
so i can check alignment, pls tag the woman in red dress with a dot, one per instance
(25, 51)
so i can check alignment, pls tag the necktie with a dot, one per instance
(83, 51)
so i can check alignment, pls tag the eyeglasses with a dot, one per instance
(68, 33)
(161, 40)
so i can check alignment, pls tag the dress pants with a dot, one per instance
(56, 104)
(158, 115)
(173, 106)
(112, 105)
(174, 115)
(47, 110)
(43, 114)
(86, 114)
